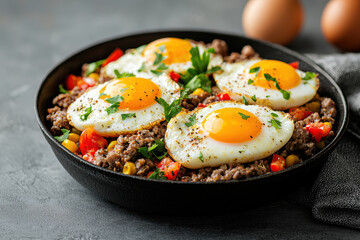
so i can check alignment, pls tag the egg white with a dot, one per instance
(112, 125)
(233, 80)
(184, 143)
(133, 60)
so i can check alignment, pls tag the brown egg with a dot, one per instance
(277, 21)
(340, 24)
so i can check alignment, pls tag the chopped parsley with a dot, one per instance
(86, 114)
(124, 89)
(243, 116)
(157, 174)
(267, 96)
(64, 136)
(201, 157)
(142, 68)
(171, 110)
(309, 75)
(253, 98)
(286, 94)
(157, 150)
(275, 123)
(255, 70)
(93, 66)
(274, 115)
(246, 102)
(159, 69)
(115, 101)
(102, 94)
(62, 89)
(159, 58)
(199, 81)
(250, 81)
(192, 121)
(123, 75)
(211, 50)
(127, 115)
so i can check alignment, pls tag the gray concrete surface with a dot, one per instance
(38, 199)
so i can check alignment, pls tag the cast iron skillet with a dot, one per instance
(180, 197)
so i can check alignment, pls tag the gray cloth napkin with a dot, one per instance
(335, 194)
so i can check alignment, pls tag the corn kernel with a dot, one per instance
(313, 106)
(129, 168)
(70, 145)
(328, 124)
(94, 76)
(111, 145)
(73, 137)
(291, 160)
(198, 91)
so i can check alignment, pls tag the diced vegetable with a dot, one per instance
(202, 105)
(169, 167)
(291, 160)
(115, 55)
(111, 145)
(277, 163)
(318, 130)
(223, 96)
(198, 92)
(90, 141)
(294, 65)
(74, 137)
(129, 168)
(299, 113)
(70, 145)
(174, 76)
(71, 81)
(313, 106)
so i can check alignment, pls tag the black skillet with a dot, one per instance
(176, 197)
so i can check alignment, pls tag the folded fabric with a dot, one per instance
(335, 195)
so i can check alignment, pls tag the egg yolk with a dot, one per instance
(232, 125)
(137, 93)
(284, 74)
(175, 50)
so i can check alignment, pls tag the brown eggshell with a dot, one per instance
(340, 24)
(277, 21)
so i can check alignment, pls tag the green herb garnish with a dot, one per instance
(123, 75)
(286, 94)
(201, 157)
(309, 75)
(199, 81)
(275, 123)
(253, 98)
(246, 102)
(86, 114)
(171, 110)
(192, 120)
(115, 101)
(142, 68)
(211, 50)
(127, 115)
(243, 116)
(102, 94)
(64, 136)
(274, 115)
(157, 174)
(250, 81)
(157, 149)
(255, 70)
(62, 89)
(93, 66)
(159, 58)
(141, 49)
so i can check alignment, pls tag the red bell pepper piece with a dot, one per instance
(294, 65)
(277, 163)
(90, 142)
(202, 105)
(115, 55)
(318, 130)
(169, 167)
(299, 113)
(71, 81)
(174, 76)
(223, 96)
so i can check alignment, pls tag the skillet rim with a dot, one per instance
(110, 173)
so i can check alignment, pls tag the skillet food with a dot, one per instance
(177, 109)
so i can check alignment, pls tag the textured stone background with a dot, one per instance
(38, 199)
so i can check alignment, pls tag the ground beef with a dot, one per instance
(57, 117)
(143, 166)
(226, 172)
(193, 100)
(220, 47)
(328, 110)
(247, 52)
(65, 99)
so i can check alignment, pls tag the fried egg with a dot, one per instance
(226, 132)
(137, 108)
(256, 80)
(175, 52)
